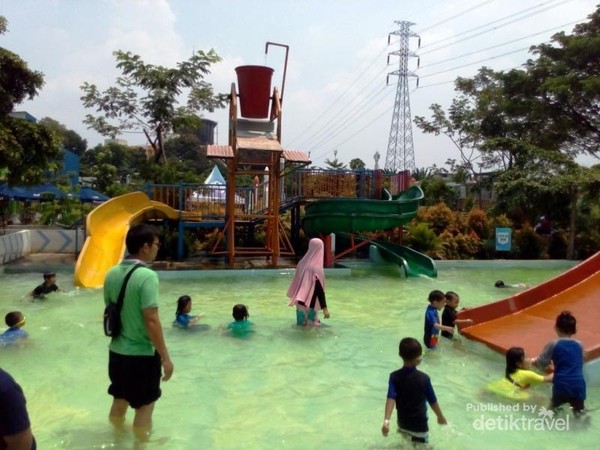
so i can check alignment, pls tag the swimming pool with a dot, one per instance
(285, 387)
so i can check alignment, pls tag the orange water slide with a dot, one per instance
(526, 319)
(106, 228)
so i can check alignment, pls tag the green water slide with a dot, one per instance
(351, 215)
(355, 215)
(416, 264)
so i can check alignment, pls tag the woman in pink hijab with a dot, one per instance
(307, 291)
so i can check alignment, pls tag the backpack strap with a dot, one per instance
(124, 286)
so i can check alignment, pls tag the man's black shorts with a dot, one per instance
(135, 379)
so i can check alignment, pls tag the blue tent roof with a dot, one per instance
(87, 194)
(46, 192)
(42, 192)
(215, 177)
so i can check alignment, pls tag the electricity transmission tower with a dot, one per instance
(400, 152)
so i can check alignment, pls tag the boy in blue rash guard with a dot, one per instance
(15, 320)
(409, 390)
(567, 355)
(437, 300)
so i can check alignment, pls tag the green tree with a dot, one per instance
(27, 150)
(187, 149)
(70, 139)
(147, 97)
(335, 163)
(566, 77)
(357, 164)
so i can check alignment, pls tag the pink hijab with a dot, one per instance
(309, 269)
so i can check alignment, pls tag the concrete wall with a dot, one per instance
(14, 246)
(21, 243)
(56, 241)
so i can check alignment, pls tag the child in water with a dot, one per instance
(517, 372)
(432, 327)
(182, 315)
(449, 315)
(409, 390)
(47, 287)
(500, 284)
(567, 355)
(240, 324)
(517, 376)
(14, 320)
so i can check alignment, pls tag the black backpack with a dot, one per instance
(112, 312)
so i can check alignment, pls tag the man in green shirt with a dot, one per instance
(138, 353)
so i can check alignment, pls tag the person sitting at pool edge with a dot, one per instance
(47, 287)
(14, 321)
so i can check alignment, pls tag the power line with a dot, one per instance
(354, 134)
(324, 126)
(473, 8)
(351, 113)
(502, 44)
(491, 23)
(448, 44)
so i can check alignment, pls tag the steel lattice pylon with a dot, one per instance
(400, 152)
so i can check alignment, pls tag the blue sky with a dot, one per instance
(336, 96)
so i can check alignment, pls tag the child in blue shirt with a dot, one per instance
(410, 390)
(14, 320)
(567, 356)
(241, 325)
(437, 300)
(182, 315)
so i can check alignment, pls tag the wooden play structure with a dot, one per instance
(255, 119)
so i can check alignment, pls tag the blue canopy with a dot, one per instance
(87, 194)
(46, 192)
(40, 193)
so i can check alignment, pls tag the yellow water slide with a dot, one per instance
(106, 228)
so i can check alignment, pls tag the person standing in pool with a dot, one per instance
(307, 290)
(449, 314)
(137, 354)
(432, 326)
(567, 356)
(15, 428)
(409, 391)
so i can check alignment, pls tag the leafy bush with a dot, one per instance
(528, 244)
(461, 245)
(422, 238)
(478, 222)
(557, 246)
(439, 217)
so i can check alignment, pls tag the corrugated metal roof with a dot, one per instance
(296, 156)
(219, 151)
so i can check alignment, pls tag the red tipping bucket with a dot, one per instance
(254, 84)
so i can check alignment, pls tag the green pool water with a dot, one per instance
(285, 387)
